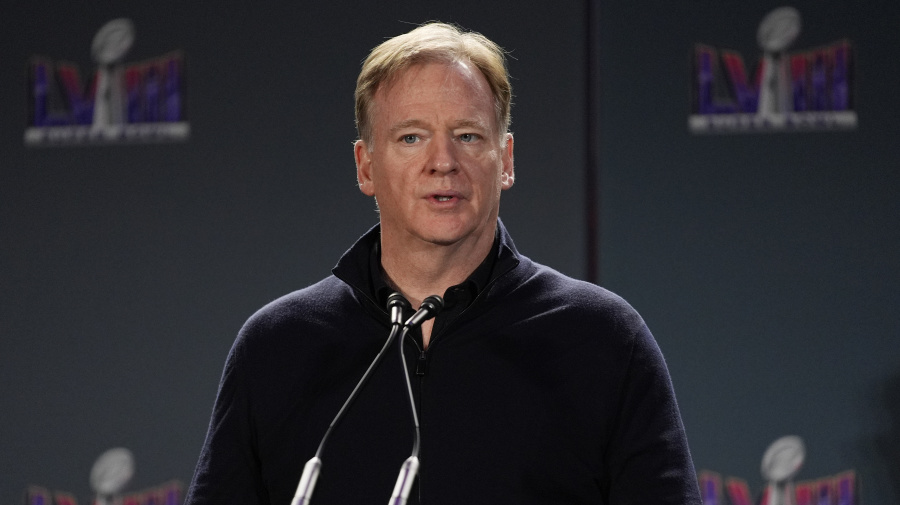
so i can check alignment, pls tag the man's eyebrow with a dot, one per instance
(407, 123)
(418, 123)
(471, 123)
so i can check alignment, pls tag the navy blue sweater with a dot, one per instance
(545, 390)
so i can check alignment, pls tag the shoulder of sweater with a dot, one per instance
(585, 302)
(313, 305)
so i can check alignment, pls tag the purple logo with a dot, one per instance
(789, 91)
(135, 102)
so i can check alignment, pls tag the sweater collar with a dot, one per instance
(355, 267)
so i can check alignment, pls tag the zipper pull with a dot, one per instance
(420, 364)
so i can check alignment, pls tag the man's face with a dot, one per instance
(437, 162)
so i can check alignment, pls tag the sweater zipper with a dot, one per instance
(422, 360)
(421, 363)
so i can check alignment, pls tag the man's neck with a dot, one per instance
(419, 269)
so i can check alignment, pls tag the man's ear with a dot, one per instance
(508, 174)
(363, 168)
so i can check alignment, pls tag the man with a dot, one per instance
(530, 387)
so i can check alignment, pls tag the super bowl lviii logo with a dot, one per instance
(138, 102)
(781, 463)
(110, 476)
(790, 91)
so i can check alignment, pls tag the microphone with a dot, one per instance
(396, 304)
(429, 308)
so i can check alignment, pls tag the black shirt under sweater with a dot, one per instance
(457, 297)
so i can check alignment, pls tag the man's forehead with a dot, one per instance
(432, 77)
(416, 92)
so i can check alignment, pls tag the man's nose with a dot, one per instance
(442, 155)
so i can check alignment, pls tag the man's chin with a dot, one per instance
(442, 235)
(443, 239)
(455, 231)
(451, 236)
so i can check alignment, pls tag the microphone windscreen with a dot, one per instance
(435, 302)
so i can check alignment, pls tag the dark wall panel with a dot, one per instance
(765, 264)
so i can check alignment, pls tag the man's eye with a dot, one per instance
(410, 139)
(468, 137)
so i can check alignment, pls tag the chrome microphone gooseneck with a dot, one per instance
(429, 308)
(396, 304)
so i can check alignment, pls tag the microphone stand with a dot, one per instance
(396, 304)
(433, 304)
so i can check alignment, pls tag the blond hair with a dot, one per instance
(432, 42)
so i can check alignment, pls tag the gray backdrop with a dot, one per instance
(766, 265)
